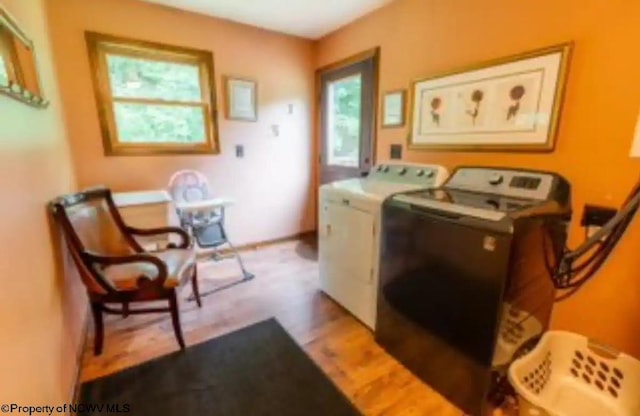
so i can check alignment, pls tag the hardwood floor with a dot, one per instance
(286, 286)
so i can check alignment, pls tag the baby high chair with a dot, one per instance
(202, 216)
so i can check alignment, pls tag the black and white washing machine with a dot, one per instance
(465, 279)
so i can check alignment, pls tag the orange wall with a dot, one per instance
(422, 37)
(272, 184)
(41, 307)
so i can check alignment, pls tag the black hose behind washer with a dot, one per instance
(570, 277)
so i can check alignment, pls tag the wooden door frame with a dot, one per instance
(373, 53)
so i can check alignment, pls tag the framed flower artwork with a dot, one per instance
(509, 104)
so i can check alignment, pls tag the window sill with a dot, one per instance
(159, 151)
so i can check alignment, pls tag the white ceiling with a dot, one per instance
(306, 18)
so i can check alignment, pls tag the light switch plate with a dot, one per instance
(395, 151)
(239, 151)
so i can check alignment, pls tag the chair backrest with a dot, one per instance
(189, 186)
(90, 222)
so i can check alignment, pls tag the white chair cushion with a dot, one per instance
(178, 261)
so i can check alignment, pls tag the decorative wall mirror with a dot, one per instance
(18, 71)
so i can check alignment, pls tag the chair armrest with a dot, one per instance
(186, 240)
(132, 258)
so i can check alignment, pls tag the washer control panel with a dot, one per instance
(513, 183)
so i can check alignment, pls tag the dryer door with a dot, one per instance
(346, 258)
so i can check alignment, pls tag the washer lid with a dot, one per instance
(464, 203)
(477, 200)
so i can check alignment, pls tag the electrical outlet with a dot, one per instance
(596, 216)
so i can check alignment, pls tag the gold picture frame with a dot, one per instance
(20, 78)
(394, 108)
(241, 98)
(446, 112)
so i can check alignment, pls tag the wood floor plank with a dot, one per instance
(285, 287)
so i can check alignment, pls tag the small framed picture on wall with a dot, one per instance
(393, 113)
(241, 99)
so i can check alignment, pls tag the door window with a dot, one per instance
(344, 121)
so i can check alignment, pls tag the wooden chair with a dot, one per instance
(113, 265)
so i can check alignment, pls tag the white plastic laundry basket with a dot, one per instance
(569, 375)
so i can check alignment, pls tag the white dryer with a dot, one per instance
(349, 231)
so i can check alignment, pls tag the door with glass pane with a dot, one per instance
(347, 121)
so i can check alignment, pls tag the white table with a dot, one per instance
(147, 209)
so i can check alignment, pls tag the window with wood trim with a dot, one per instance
(153, 98)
